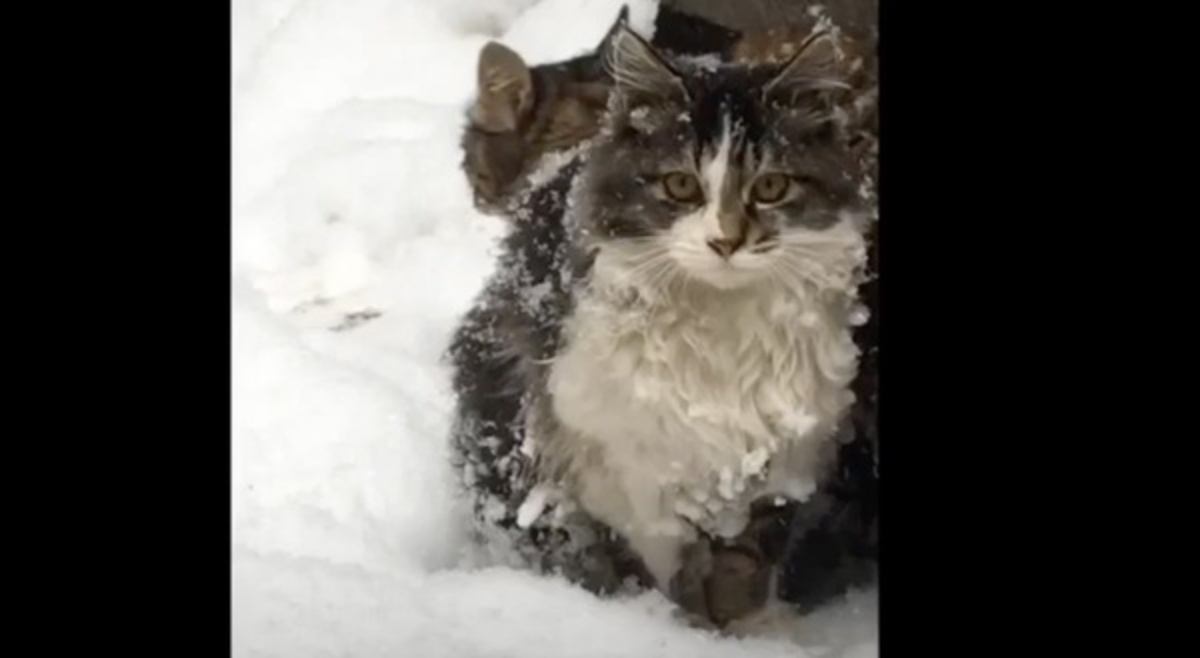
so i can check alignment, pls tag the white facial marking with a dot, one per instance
(713, 173)
(689, 235)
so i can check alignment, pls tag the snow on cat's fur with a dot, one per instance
(681, 358)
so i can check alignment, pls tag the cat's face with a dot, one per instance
(726, 176)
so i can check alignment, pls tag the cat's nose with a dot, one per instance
(726, 246)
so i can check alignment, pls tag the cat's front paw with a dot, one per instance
(738, 583)
(688, 587)
(720, 583)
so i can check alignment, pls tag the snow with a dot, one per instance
(355, 251)
(534, 505)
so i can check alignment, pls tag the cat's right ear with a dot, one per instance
(640, 74)
(818, 68)
(505, 89)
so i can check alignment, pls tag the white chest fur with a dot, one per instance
(697, 405)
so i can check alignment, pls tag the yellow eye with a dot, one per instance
(681, 187)
(770, 188)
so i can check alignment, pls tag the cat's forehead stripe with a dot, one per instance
(715, 172)
(716, 167)
(733, 98)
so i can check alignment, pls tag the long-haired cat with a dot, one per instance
(679, 348)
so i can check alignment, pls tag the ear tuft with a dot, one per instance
(818, 66)
(639, 71)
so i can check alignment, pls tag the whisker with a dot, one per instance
(648, 264)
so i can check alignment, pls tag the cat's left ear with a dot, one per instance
(818, 68)
(640, 74)
(504, 95)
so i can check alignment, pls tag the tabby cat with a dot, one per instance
(504, 385)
